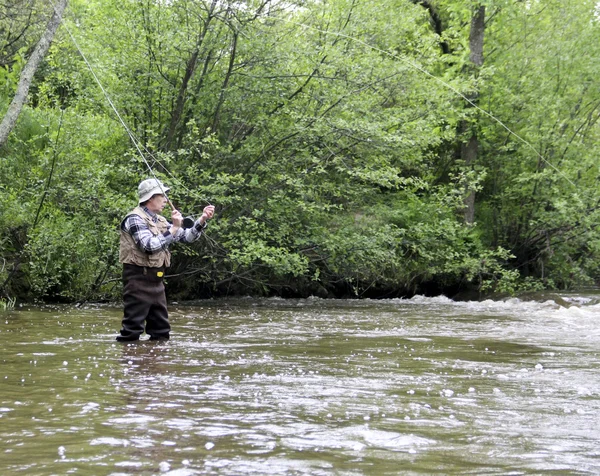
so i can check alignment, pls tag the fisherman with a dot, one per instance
(144, 252)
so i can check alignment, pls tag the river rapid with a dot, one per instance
(306, 387)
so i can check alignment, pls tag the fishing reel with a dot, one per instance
(188, 222)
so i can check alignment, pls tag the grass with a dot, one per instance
(7, 304)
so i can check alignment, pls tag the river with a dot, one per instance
(305, 387)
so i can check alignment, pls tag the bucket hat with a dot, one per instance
(149, 187)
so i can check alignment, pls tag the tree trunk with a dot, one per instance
(469, 148)
(14, 110)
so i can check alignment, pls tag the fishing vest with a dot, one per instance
(129, 252)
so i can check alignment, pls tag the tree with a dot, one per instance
(14, 109)
(467, 129)
(336, 167)
(469, 148)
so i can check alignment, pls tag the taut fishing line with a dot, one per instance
(132, 136)
(445, 84)
(338, 34)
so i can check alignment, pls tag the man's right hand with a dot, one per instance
(177, 218)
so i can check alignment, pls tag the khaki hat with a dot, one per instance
(149, 187)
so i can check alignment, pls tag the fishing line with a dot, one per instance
(445, 84)
(133, 138)
(338, 34)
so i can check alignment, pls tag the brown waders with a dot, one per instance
(144, 300)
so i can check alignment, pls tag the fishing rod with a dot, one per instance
(132, 136)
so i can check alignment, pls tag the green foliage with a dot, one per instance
(7, 304)
(544, 207)
(324, 135)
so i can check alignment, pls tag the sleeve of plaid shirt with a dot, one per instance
(146, 241)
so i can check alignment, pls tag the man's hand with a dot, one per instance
(177, 218)
(177, 221)
(207, 213)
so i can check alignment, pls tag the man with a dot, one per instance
(144, 252)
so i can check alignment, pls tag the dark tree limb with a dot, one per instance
(221, 100)
(189, 72)
(436, 22)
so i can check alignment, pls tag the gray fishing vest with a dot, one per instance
(129, 252)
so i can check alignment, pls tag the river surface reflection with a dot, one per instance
(305, 387)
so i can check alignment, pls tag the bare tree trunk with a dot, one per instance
(469, 149)
(476, 36)
(14, 110)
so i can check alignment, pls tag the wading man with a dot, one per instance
(144, 252)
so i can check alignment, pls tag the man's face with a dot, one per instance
(156, 203)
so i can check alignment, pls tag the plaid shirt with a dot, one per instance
(146, 241)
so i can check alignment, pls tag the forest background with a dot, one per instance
(359, 148)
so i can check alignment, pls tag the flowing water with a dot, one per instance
(305, 387)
